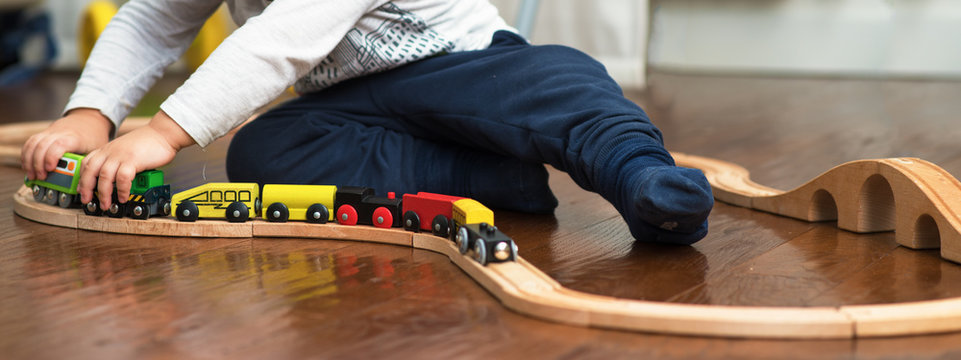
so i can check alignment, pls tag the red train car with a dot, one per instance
(422, 207)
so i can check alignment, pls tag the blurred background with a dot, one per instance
(838, 38)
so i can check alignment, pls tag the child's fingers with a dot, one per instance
(125, 175)
(108, 174)
(32, 158)
(40, 158)
(26, 157)
(88, 176)
(52, 155)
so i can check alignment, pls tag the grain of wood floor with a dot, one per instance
(77, 294)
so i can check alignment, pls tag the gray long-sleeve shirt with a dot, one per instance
(310, 44)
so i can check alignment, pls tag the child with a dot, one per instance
(404, 95)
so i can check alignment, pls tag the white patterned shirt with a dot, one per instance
(311, 44)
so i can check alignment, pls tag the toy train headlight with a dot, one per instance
(502, 251)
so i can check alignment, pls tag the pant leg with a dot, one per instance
(556, 105)
(329, 140)
(540, 104)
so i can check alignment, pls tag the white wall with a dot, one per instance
(65, 17)
(913, 38)
(613, 31)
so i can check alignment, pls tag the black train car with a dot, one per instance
(489, 243)
(358, 205)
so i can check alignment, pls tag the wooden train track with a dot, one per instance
(918, 200)
(910, 196)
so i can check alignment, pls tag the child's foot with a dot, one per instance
(667, 204)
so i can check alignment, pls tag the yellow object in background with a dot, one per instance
(99, 12)
(95, 18)
(214, 31)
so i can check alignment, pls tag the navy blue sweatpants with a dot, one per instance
(480, 124)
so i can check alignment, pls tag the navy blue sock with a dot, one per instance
(659, 201)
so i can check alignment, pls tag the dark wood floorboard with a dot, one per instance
(78, 294)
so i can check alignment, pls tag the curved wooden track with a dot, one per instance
(918, 200)
(525, 289)
(910, 196)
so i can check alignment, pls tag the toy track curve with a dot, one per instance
(525, 289)
(916, 199)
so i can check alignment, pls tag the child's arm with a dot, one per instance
(120, 160)
(140, 41)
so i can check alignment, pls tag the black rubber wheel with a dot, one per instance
(440, 226)
(480, 251)
(50, 196)
(411, 221)
(277, 212)
(142, 209)
(237, 212)
(163, 204)
(65, 200)
(117, 210)
(92, 208)
(317, 214)
(38, 193)
(187, 211)
(462, 240)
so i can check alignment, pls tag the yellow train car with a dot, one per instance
(311, 203)
(231, 201)
(469, 211)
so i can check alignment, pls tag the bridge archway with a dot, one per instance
(823, 207)
(876, 205)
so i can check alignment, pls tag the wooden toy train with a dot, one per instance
(465, 221)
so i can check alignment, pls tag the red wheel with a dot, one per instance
(346, 215)
(382, 218)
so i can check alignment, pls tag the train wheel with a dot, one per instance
(317, 214)
(277, 212)
(164, 206)
(237, 212)
(50, 196)
(440, 226)
(382, 218)
(346, 215)
(187, 211)
(411, 221)
(480, 251)
(463, 243)
(65, 200)
(92, 208)
(38, 193)
(116, 210)
(139, 211)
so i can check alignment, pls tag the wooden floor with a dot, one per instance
(77, 294)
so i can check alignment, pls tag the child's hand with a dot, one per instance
(120, 160)
(80, 131)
